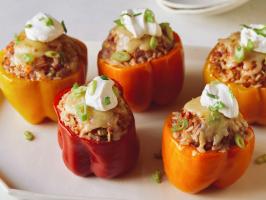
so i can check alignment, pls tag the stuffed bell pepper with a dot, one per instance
(96, 129)
(145, 58)
(207, 143)
(37, 64)
(240, 62)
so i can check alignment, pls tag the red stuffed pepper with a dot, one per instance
(145, 58)
(96, 129)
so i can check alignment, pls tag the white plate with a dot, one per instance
(35, 170)
(212, 10)
(190, 4)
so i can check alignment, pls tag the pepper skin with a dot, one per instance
(103, 159)
(252, 101)
(159, 80)
(194, 173)
(34, 99)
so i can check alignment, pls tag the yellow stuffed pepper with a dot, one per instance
(240, 62)
(37, 64)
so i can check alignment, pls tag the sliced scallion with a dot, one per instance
(28, 135)
(239, 141)
(181, 125)
(213, 96)
(64, 26)
(75, 86)
(121, 56)
(157, 176)
(107, 100)
(79, 91)
(92, 87)
(153, 42)
(217, 106)
(118, 22)
(250, 45)
(261, 31)
(28, 26)
(149, 16)
(52, 54)
(82, 112)
(28, 58)
(103, 77)
(260, 159)
(239, 54)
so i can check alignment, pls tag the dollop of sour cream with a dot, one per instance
(259, 41)
(218, 94)
(43, 28)
(100, 94)
(135, 21)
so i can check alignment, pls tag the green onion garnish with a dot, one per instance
(239, 141)
(181, 125)
(121, 56)
(28, 58)
(260, 159)
(52, 54)
(75, 86)
(261, 31)
(149, 16)
(157, 176)
(118, 22)
(82, 112)
(64, 26)
(107, 101)
(153, 42)
(213, 96)
(239, 54)
(92, 87)
(78, 90)
(47, 20)
(168, 30)
(28, 136)
(250, 45)
(213, 116)
(217, 106)
(103, 77)
(137, 14)
(28, 26)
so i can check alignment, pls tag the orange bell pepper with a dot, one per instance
(252, 101)
(193, 173)
(34, 99)
(159, 80)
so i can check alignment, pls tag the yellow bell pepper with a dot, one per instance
(34, 99)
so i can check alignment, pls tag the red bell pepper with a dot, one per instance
(103, 159)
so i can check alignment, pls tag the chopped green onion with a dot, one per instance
(28, 58)
(260, 159)
(250, 45)
(213, 96)
(181, 125)
(157, 176)
(75, 86)
(92, 87)
(217, 106)
(213, 116)
(149, 16)
(47, 20)
(103, 77)
(28, 136)
(118, 22)
(82, 112)
(245, 26)
(64, 26)
(52, 54)
(239, 141)
(137, 14)
(16, 38)
(78, 91)
(168, 30)
(107, 101)
(116, 91)
(261, 31)
(239, 54)
(121, 56)
(28, 26)
(153, 42)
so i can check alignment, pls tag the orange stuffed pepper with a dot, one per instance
(239, 61)
(207, 143)
(145, 58)
(37, 64)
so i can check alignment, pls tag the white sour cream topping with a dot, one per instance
(43, 28)
(102, 97)
(259, 41)
(134, 21)
(214, 93)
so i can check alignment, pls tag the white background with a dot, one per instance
(90, 20)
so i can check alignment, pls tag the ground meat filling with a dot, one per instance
(54, 60)
(113, 129)
(141, 53)
(194, 132)
(251, 72)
